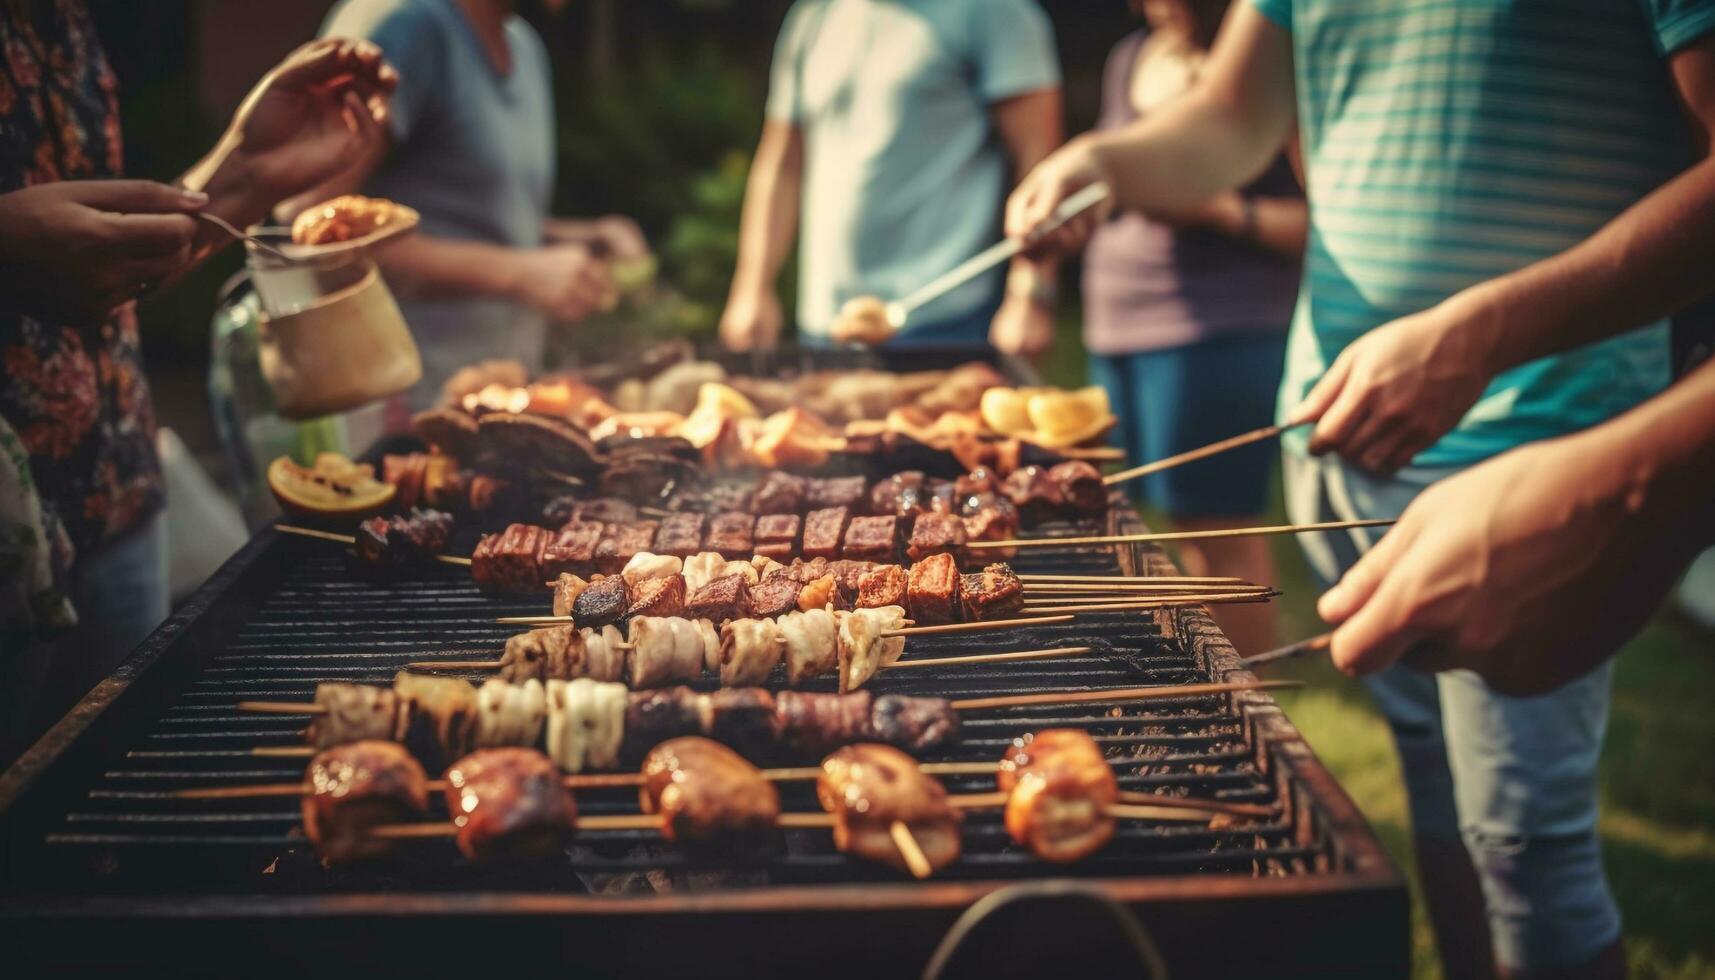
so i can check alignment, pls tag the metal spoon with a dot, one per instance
(251, 240)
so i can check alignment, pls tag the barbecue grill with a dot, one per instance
(105, 869)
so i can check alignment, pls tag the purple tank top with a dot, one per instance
(1149, 286)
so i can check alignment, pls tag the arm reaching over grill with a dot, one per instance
(509, 803)
(1058, 787)
(869, 788)
(709, 797)
(357, 786)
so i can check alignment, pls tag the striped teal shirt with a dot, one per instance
(1447, 142)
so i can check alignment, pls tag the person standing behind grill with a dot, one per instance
(893, 130)
(1496, 190)
(77, 245)
(1185, 318)
(471, 147)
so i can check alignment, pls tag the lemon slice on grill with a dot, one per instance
(332, 487)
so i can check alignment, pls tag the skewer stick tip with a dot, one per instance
(915, 860)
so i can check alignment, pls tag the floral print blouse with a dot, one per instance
(75, 395)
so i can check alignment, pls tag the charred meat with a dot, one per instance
(356, 786)
(932, 590)
(869, 788)
(732, 535)
(709, 797)
(1059, 787)
(993, 593)
(509, 802)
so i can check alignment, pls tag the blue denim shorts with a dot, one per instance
(1514, 777)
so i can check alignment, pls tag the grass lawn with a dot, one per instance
(1658, 769)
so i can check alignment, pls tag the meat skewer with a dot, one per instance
(1233, 532)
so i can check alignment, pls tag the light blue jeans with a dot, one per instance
(1514, 777)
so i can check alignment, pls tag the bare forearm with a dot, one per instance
(421, 266)
(1281, 224)
(769, 223)
(1665, 449)
(227, 176)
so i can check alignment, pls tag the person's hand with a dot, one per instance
(752, 320)
(621, 237)
(564, 282)
(1225, 213)
(1397, 389)
(1021, 326)
(1528, 569)
(321, 108)
(77, 249)
(1066, 171)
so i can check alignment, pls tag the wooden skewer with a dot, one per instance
(1117, 694)
(1123, 811)
(1231, 532)
(1103, 454)
(975, 658)
(1191, 455)
(1126, 588)
(1206, 806)
(1129, 606)
(283, 751)
(915, 859)
(977, 626)
(310, 532)
(1321, 641)
(281, 708)
(1048, 577)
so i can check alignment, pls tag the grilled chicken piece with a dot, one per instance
(774, 596)
(658, 597)
(572, 550)
(509, 803)
(743, 569)
(883, 585)
(1059, 787)
(817, 723)
(780, 493)
(355, 713)
(864, 649)
(620, 543)
(777, 536)
(932, 588)
(869, 788)
(664, 651)
(709, 797)
(511, 561)
(1080, 488)
(818, 593)
(749, 650)
(680, 535)
(586, 723)
(838, 491)
(604, 650)
(935, 534)
(824, 531)
(355, 787)
(648, 565)
(604, 602)
(701, 569)
(541, 654)
(811, 641)
(993, 593)
(914, 724)
(733, 535)
(872, 539)
(509, 714)
(440, 716)
(567, 588)
(721, 600)
(397, 541)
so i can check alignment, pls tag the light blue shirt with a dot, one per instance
(905, 176)
(1448, 142)
(473, 151)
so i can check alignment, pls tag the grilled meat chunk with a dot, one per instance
(872, 539)
(604, 602)
(818, 593)
(355, 713)
(883, 585)
(586, 723)
(680, 535)
(824, 530)
(740, 717)
(1034, 493)
(509, 803)
(440, 716)
(504, 440)
(868, 788)
(567, 588)
(904, 494)
(709, 797)
(774, 596)
(572, 549)
(864, 646)
(1059, 787)
(604, 652)
(620, 543)
(511, 561)
(701, 569)
(993, 593)
(605, 510)
(749, 650)
(935, 534)
(777, 536)
(990, 517)
(508, 713)
(932, 589)
(1080, 488)
(664, 651)
(838, 491)
(658, 597)
(404, 540)
(817, 723)
(914, 724)
(356, 786)
(811, 641)
(780, 493)
(980, 479)
(732, 535)
(647, 565)
(722, 599)
(653, 717)
(543, 654)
